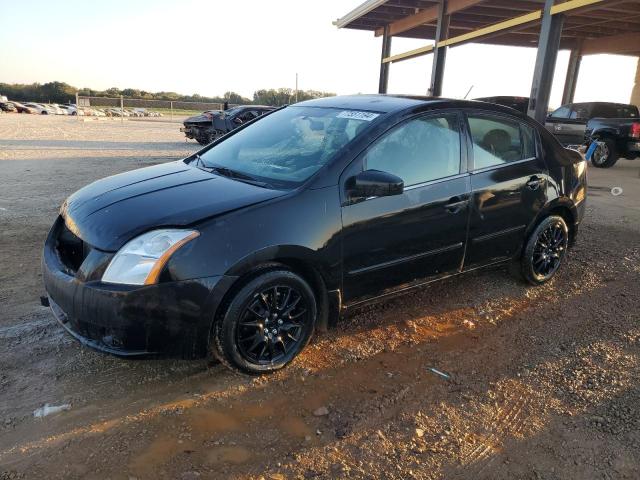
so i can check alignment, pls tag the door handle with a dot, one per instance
(455, 205)
(534, 183)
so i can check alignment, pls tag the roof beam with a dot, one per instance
(358, 12)
(625, 44)
(426, 16)
(499, 28)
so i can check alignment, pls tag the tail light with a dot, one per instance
(635, 130)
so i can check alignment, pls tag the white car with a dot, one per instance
(71, 110)
(56, 109)
(40, 108)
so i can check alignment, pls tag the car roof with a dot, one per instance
(600, 103)
(383, 103)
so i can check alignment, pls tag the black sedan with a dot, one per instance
(245, 248)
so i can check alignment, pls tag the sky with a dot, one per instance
(213, 46)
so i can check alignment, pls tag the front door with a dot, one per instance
(508, 180)
(568, 123)
(396, 241)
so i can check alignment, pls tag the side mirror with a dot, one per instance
(374, 183)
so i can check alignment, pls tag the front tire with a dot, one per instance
(606, 154)
(545, 250)
(266, 324)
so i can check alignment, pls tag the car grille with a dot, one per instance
(71, 249)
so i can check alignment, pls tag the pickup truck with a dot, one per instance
(613, 138)
(568, 123)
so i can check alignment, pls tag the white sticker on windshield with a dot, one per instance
(358, 115)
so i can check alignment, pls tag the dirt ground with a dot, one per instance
(542, 383)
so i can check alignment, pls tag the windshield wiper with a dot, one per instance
(228, 172)
(198, 161)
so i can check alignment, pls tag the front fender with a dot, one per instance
(284, 253)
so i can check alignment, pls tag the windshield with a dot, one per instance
(286, 147)
(231, 111)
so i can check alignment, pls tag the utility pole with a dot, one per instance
(296, 87)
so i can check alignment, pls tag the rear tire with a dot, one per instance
(266, 324)
(545, 250)
(606, 155)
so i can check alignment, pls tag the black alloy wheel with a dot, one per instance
(266, 324)
(272, 324)
(545, 250)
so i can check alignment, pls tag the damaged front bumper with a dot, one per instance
(191, 131)
(170, 318)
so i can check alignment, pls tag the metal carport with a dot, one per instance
(583, 26)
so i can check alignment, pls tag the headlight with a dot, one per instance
(141, 260)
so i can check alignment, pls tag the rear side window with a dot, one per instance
(604, 110)
(497, 141)
(615, 111)
(580, 111)
(418, 151)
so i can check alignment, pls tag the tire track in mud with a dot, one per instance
(508, 421)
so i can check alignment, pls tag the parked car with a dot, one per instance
(613, 138)
(56, 109)
(568, 122)
(21, 108)
(71, 110)
(245, 247)
(212, 124)
(7, 107)
(520, 104)
(41, 108)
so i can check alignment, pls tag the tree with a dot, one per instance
(60, 92)
(111, 92)
(235, 98)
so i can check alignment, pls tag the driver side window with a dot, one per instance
(419, 150)
(562, 112)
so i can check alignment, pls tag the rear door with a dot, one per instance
(402, 240)
(508, 181)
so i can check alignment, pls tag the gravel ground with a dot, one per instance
(541, 383)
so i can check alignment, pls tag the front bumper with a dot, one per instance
(171, 318)
(190, 131)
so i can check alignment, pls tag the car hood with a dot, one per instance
(108, 213)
